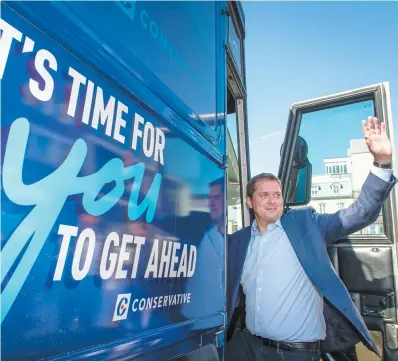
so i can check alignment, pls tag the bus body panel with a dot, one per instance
(105, 208)
(121, 48)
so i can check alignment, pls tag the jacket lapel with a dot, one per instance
(245, 240)
(238, 252)
(293, 233)
(241, 249)
(296, 235)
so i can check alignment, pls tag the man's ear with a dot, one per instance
(249, 202)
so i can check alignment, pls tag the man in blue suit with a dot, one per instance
(295, 304)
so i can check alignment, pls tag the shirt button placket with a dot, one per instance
(258, 282)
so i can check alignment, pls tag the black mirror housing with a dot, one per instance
(300, 153)
(298, 191)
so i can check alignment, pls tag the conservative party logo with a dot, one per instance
(121, 307)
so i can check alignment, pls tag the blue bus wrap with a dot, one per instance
(113, 178)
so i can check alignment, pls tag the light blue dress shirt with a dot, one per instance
(281, 302)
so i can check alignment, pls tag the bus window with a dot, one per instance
(235, 42)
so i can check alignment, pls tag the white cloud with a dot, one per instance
(265, 152)
(267, 137)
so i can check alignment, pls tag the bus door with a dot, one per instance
(324, 163)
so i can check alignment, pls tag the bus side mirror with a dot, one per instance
(300, 159)
(298, 191)
(299, 186)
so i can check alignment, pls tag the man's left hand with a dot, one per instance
(377, 140)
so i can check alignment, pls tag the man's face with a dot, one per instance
(216, 202)
(267, 201)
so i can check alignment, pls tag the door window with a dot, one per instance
(340, 158)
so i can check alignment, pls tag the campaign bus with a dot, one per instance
(124, 163)
(118, 123)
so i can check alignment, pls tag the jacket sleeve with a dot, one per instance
(363, 212)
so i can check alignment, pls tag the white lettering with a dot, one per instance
(133, 307)
(141, 305)
(159, 146)
(102, 113)
(153, 29)
(78, 80)
(89, 236)
(88, 102)
(67, 232)
(165, 259)
(153, 261)
(138, 119)
(149, 303)
(45, 94)
(144, 14)
(149, 139)
(139, 241)
(182, 269)
(174, 259)
(192, 261)
(8, 35)
(120, 122)
(106, 273)
(123, 256)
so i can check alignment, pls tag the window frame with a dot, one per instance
(382, 110)
(236, 84)
(241, 153)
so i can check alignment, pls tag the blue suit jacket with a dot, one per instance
(309, 234)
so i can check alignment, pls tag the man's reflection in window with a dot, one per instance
(216, 203)
(206, 285)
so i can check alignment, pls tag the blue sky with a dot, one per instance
(340, 124)
(300, 50)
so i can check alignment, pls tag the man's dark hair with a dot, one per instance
(220, 182)
(251, 185)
